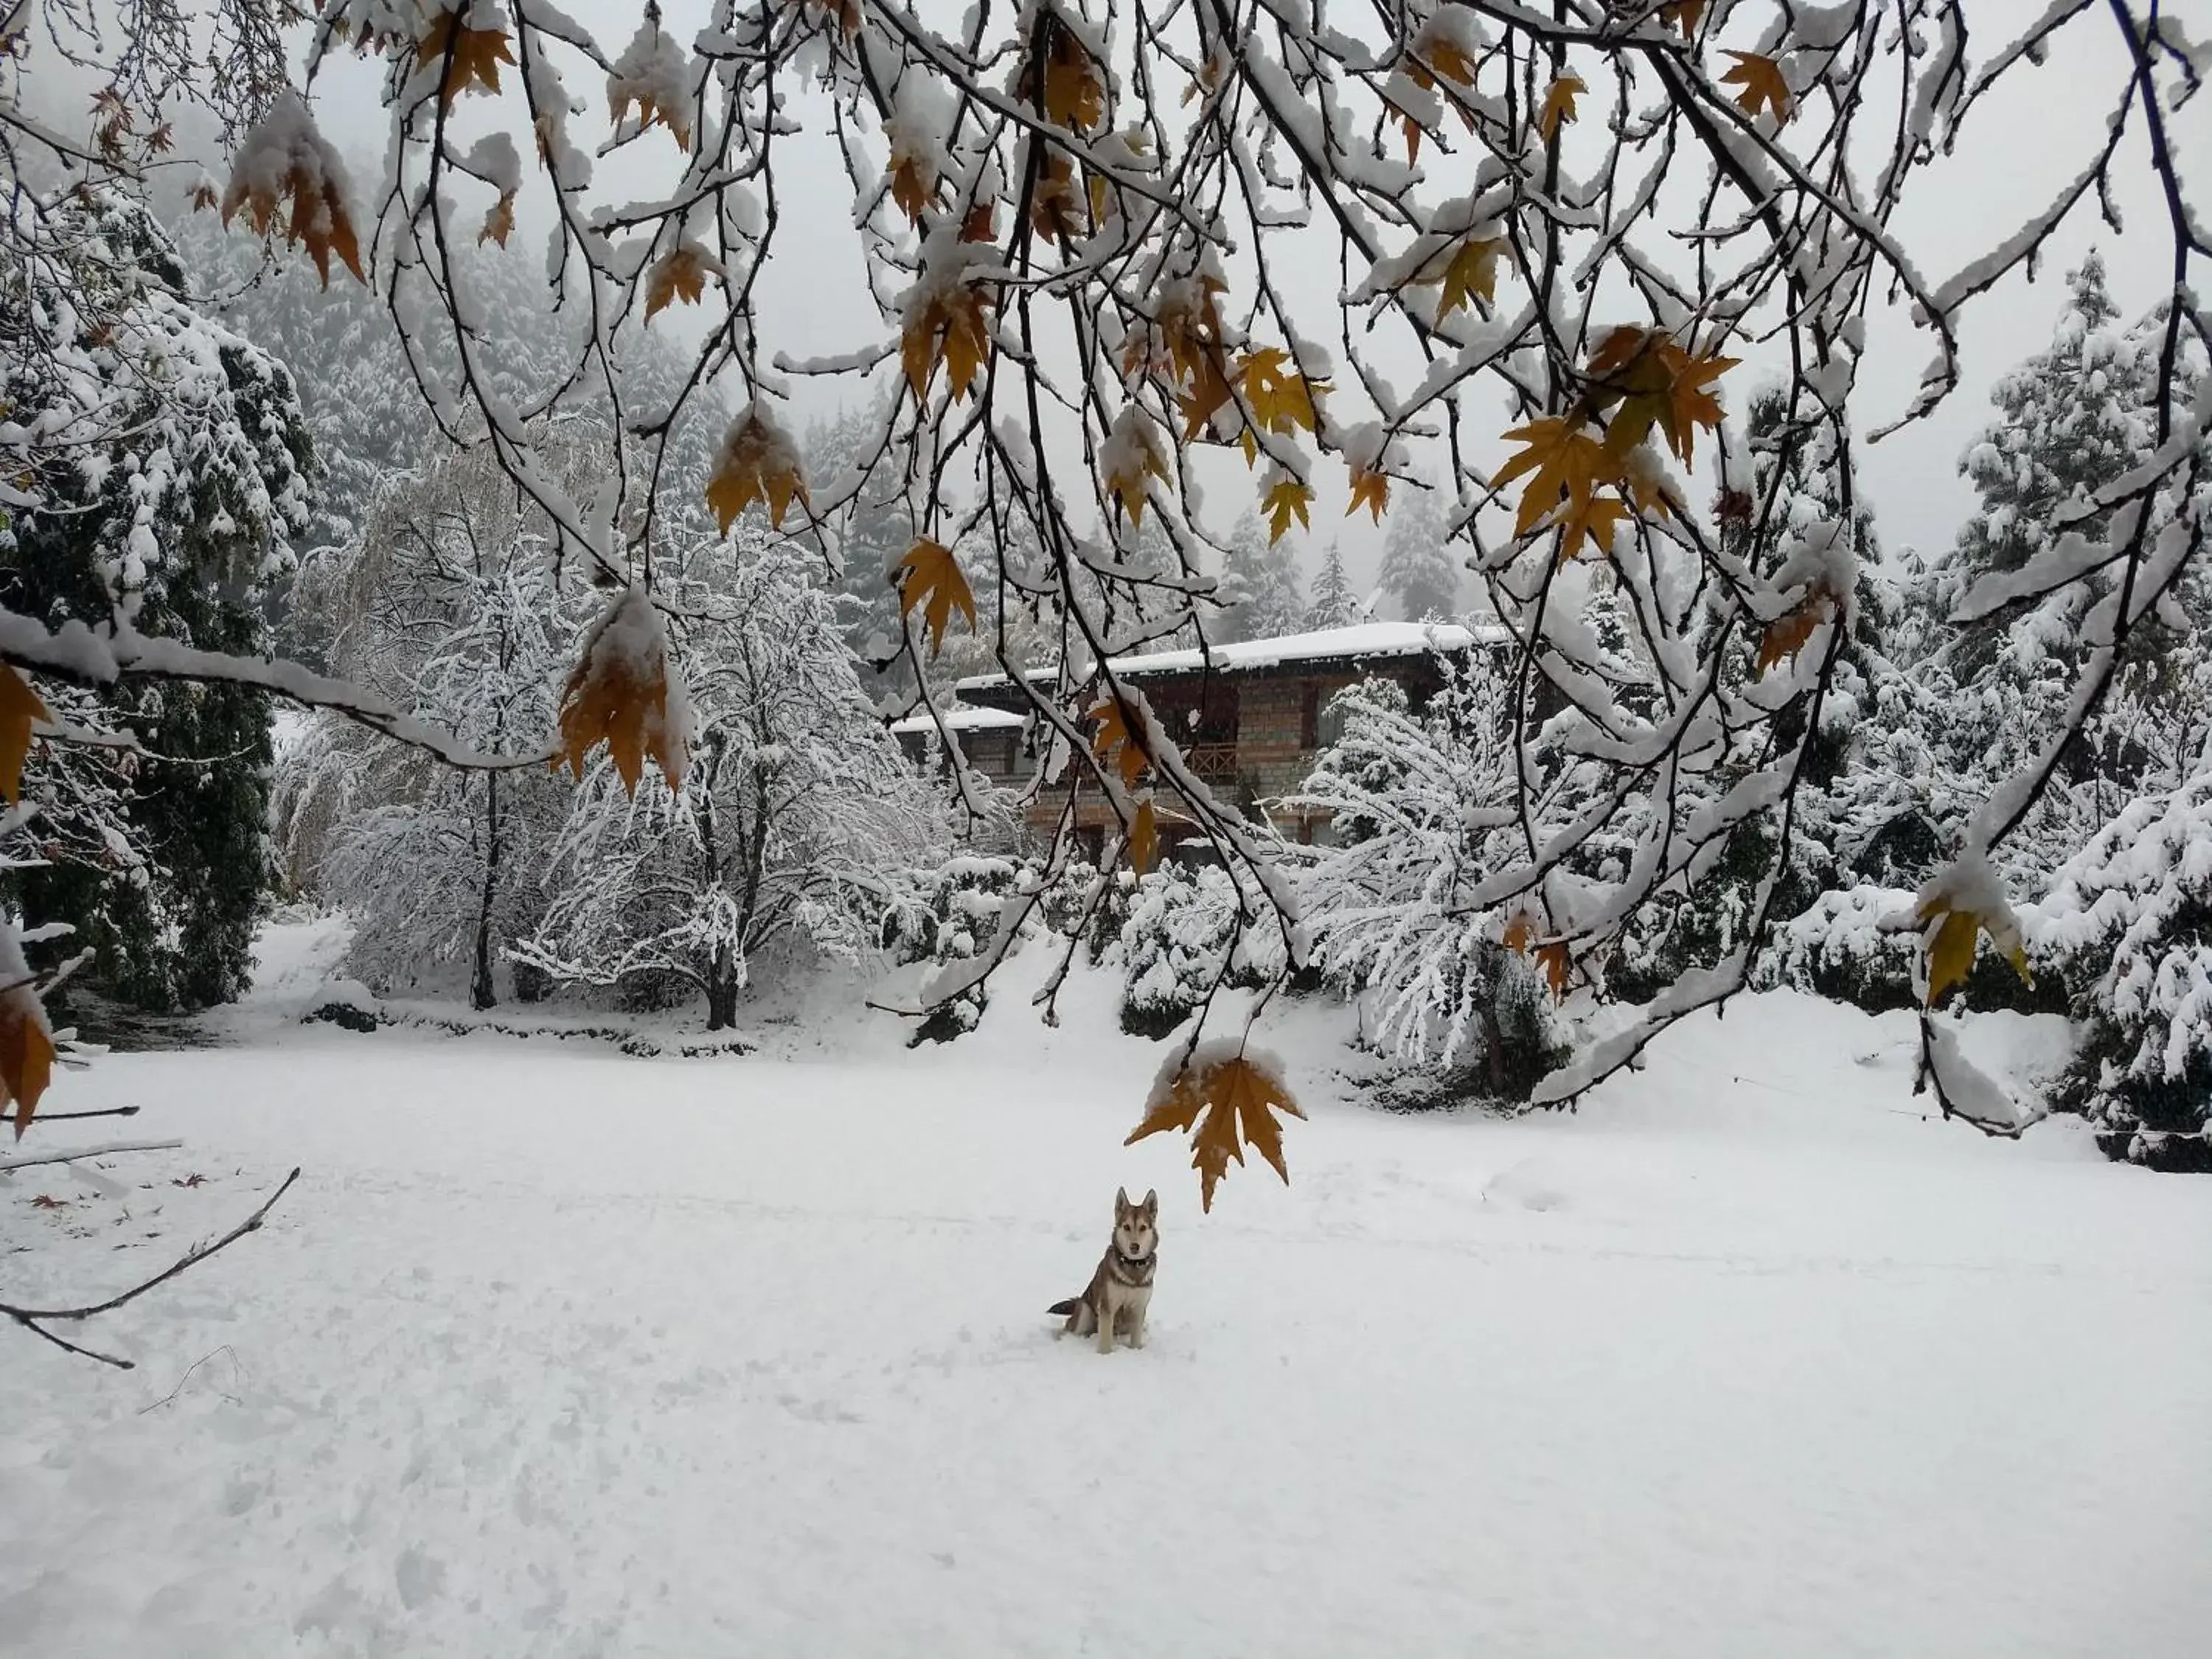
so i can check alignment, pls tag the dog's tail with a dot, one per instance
(1063, 1310)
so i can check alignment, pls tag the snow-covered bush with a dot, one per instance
(1417, 806)
(2132, 913)
(1839, 949)
(1181, 942)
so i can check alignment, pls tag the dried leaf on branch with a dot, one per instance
(681, 274)
(1286, 499)
(1115, 744)
(1559, 105)
(1227, 1097)
(1759, 85)
(624, 692)
(758, 462)
(27, 1042)
(471, 55)
(284, 164)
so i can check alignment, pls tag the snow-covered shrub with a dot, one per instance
(1176, 946)
(1839, 949)
(1419, 810)
(2132, 912)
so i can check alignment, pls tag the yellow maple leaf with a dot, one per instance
(1114, 744)
(1559, 105)
(1951, 945)
(499, 222)
(949, 328)
(1520, 933)
(27, 1053)
(1439, 53)
(1281, 396)
(1592, 518)
(1472, 271)
(314, 212)
(1568, 464)
(930, 576)
(681, 274)
(472, 56)
(756, 463)
(1074, 92)
(1144, 838)
(1370, 490)
(617, 695)
(20, 708)
(1759, 84)
(1220, 1101)
(1286, 499)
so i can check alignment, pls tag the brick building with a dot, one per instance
(1249, 717)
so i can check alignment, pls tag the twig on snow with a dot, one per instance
(29, 1318)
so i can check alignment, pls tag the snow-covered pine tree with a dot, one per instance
(1334, 603)
(2129, 919)
(1419, 571)
(1260, 585)
(797, 810)
(170, 516)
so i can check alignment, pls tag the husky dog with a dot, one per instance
(1120, 1289)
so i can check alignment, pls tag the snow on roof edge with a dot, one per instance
(1358, 641)
(961, 719)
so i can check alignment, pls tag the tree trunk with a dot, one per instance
(482, 992)
(722, 992)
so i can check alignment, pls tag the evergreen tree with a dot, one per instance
(176, 518)
(1418, 570)
(1260, 586)
(1335, 605)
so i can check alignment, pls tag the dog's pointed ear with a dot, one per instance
(1152, 1204)
(1121, 1206)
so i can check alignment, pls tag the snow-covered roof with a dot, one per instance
(960, 719)
(1361, 641)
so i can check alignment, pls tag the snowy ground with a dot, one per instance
(553, 1351)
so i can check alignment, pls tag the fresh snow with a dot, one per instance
(961, 719)
(552, 1352)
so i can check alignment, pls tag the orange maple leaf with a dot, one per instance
(472, 56)
(1684, 15)
(1071, 92)
(499, 222)
(315, 214)
(913, 186)
(1788, 634)
(20, 708)
(1472, 271)
(758, 462)
(931, 571)
(1236, 1095)
(1760, 85)
(1655, 381)
(681, 274)
(617, 694)
(1556, 965)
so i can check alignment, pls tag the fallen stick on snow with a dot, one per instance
(76, 1154)
(28, 1317)
(105, 1111)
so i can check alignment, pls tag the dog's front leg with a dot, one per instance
(1107, 1315)
(1137, 1311)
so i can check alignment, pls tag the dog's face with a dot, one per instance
(1136, 1226)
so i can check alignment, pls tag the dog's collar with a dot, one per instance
(1134, 1264)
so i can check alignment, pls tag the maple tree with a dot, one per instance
(1073, 221)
